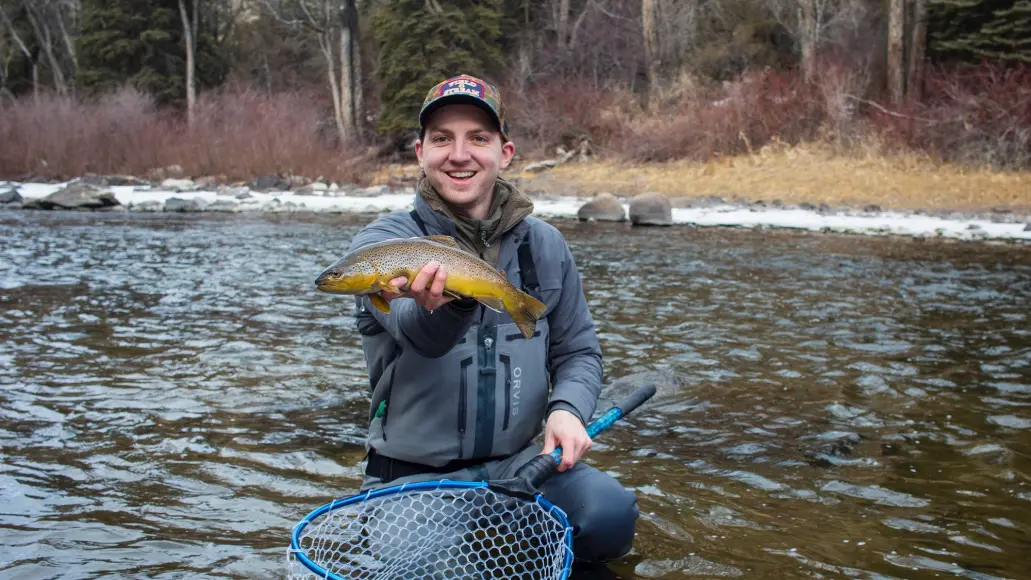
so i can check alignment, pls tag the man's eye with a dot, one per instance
(439, 139)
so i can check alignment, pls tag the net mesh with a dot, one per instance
(436, 534)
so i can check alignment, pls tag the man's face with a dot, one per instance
(462, 154)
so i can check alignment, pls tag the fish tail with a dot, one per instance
(525, 310)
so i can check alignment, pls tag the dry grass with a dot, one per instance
(807, 173)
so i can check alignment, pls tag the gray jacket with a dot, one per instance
(462, 382)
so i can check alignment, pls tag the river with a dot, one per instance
(174, 396)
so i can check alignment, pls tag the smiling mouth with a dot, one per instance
(460, 175)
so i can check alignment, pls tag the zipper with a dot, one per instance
(507, 362)
(486, 394)
(461, 406)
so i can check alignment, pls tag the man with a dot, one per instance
(458, 391)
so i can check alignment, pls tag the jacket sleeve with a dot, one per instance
(575, 354)
(431, 334)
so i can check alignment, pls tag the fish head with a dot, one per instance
(352, 274)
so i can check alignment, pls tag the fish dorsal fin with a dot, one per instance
(446, 240)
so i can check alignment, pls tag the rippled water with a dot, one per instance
(174, 396)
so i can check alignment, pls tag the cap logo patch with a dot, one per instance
(462, 87)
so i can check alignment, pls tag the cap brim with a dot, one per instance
(458, 100)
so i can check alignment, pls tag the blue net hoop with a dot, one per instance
(433, 530)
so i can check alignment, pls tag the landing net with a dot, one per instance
(433, 530)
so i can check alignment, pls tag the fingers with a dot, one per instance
(573, 448)
(425, 277)
(398, 282)
(427, 289)
(437, 286)
(549, 444)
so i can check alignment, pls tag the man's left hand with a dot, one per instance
(565, 430)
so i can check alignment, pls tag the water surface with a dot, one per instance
(174, 396)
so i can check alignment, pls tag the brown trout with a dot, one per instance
(369, 269)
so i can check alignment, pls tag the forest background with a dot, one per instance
(903, 103)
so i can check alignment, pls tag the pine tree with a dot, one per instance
(132, 41)
(1009, 33)
(972, 30)
(423, 42)
(140, 43)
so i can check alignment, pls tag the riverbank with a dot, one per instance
(782, 190)
(807, 174)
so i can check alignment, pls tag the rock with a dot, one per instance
(224, 205)
(78, 195)
(651, 209)
(148, 205)
(1027, 227)
(313, 188)
(11, 196)
(270, 183)
(807, 206)
(178, 185)
(210, 181)
(540, 166)
(605, 207)
(372, 191)
(707, 201)
(668, 384)
(178, 204)
(161, 173)
(873, 208)
(113, 180)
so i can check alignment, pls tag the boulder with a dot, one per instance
(78, 195)
(270, 183)
(178, 184)
(148, 205)
(605, 207)
(114, 180)
(178, 204)
(11, 196)
(651, 209)
(224, 205)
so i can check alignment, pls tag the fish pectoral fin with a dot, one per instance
(492, 302)
(380, 304)
(454, 295)
(446, 240)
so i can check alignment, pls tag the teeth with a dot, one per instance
(461, 174)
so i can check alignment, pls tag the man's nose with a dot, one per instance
(459, 152)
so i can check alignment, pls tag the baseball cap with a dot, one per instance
(468, 90)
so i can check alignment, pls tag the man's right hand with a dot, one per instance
(427, 289)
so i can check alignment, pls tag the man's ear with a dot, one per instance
(418, 150)
(507, 152)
